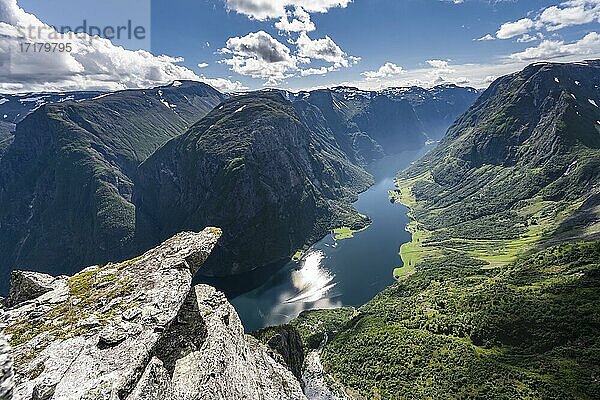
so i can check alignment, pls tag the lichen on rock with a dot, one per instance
(139, 330)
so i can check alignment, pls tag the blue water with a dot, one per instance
(332, 273)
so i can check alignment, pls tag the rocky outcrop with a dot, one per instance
(6, 373)
(139, 330)
(286, 343)
(28, 286)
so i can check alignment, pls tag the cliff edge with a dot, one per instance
(137, 330)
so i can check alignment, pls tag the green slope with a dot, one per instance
(498, 294)
(254, 168)
(67, 178)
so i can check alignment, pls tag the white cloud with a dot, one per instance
(387, 70)
(589, 45)
(269, 9)
(259, 55)
(321, 49)
(317, 71)
(93, 63)
(296, 21)
(526, 38)
(517, 28)
(438, 64)
(202, 65)
(575, 12)
(224, 85)
(553, 18)
(487, 37)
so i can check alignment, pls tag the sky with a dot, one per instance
(293, 44)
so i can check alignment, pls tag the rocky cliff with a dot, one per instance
(6, 373)
(137, 330)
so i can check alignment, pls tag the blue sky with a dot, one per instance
(367, 43)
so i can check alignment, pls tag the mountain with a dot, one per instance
(67, 178)
(68, 173)
(256, 169)
(370, 124)
(437, 108)
(532, 138)
(138, 330)
(498, 295)
(15, 107)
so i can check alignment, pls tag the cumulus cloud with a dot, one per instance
(92, 63)
(259, 55)
(274, 9)
(575, 12)
(511, 29)
(202, 65)
(553, 18)
(296, 21)
(323, 49)
(485, 38)
(387, 70)
(553, 49)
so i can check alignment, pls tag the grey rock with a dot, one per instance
(6, 370)
(229, 364)
(147, 335)
(26, 286)
(154, 384)
(112, 335)
(287, 343)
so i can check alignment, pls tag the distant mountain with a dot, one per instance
(370, 124)
(66, 180)
(437, 108)
(15, 107)
(255, 168)
(274, 168)
(499, 289)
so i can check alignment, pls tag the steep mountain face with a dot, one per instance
(137, 330)
(533, 134)
(66, 180)
(15, 107)
(254, 168)
(437, 108)
(368, 125)
(499, 291)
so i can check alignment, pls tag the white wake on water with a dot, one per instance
(312, 280)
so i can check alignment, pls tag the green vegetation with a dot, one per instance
(297, 256)
(87, 289)
(499, 294)
(346, 232)
(524, 330)
(313, 325)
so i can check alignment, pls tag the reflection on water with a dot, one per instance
(332, 273)
(312, 280)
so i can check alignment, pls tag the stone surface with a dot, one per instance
(6, 372)
(229, 364)
(288, 344)
(25, 286)
(138, 330)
